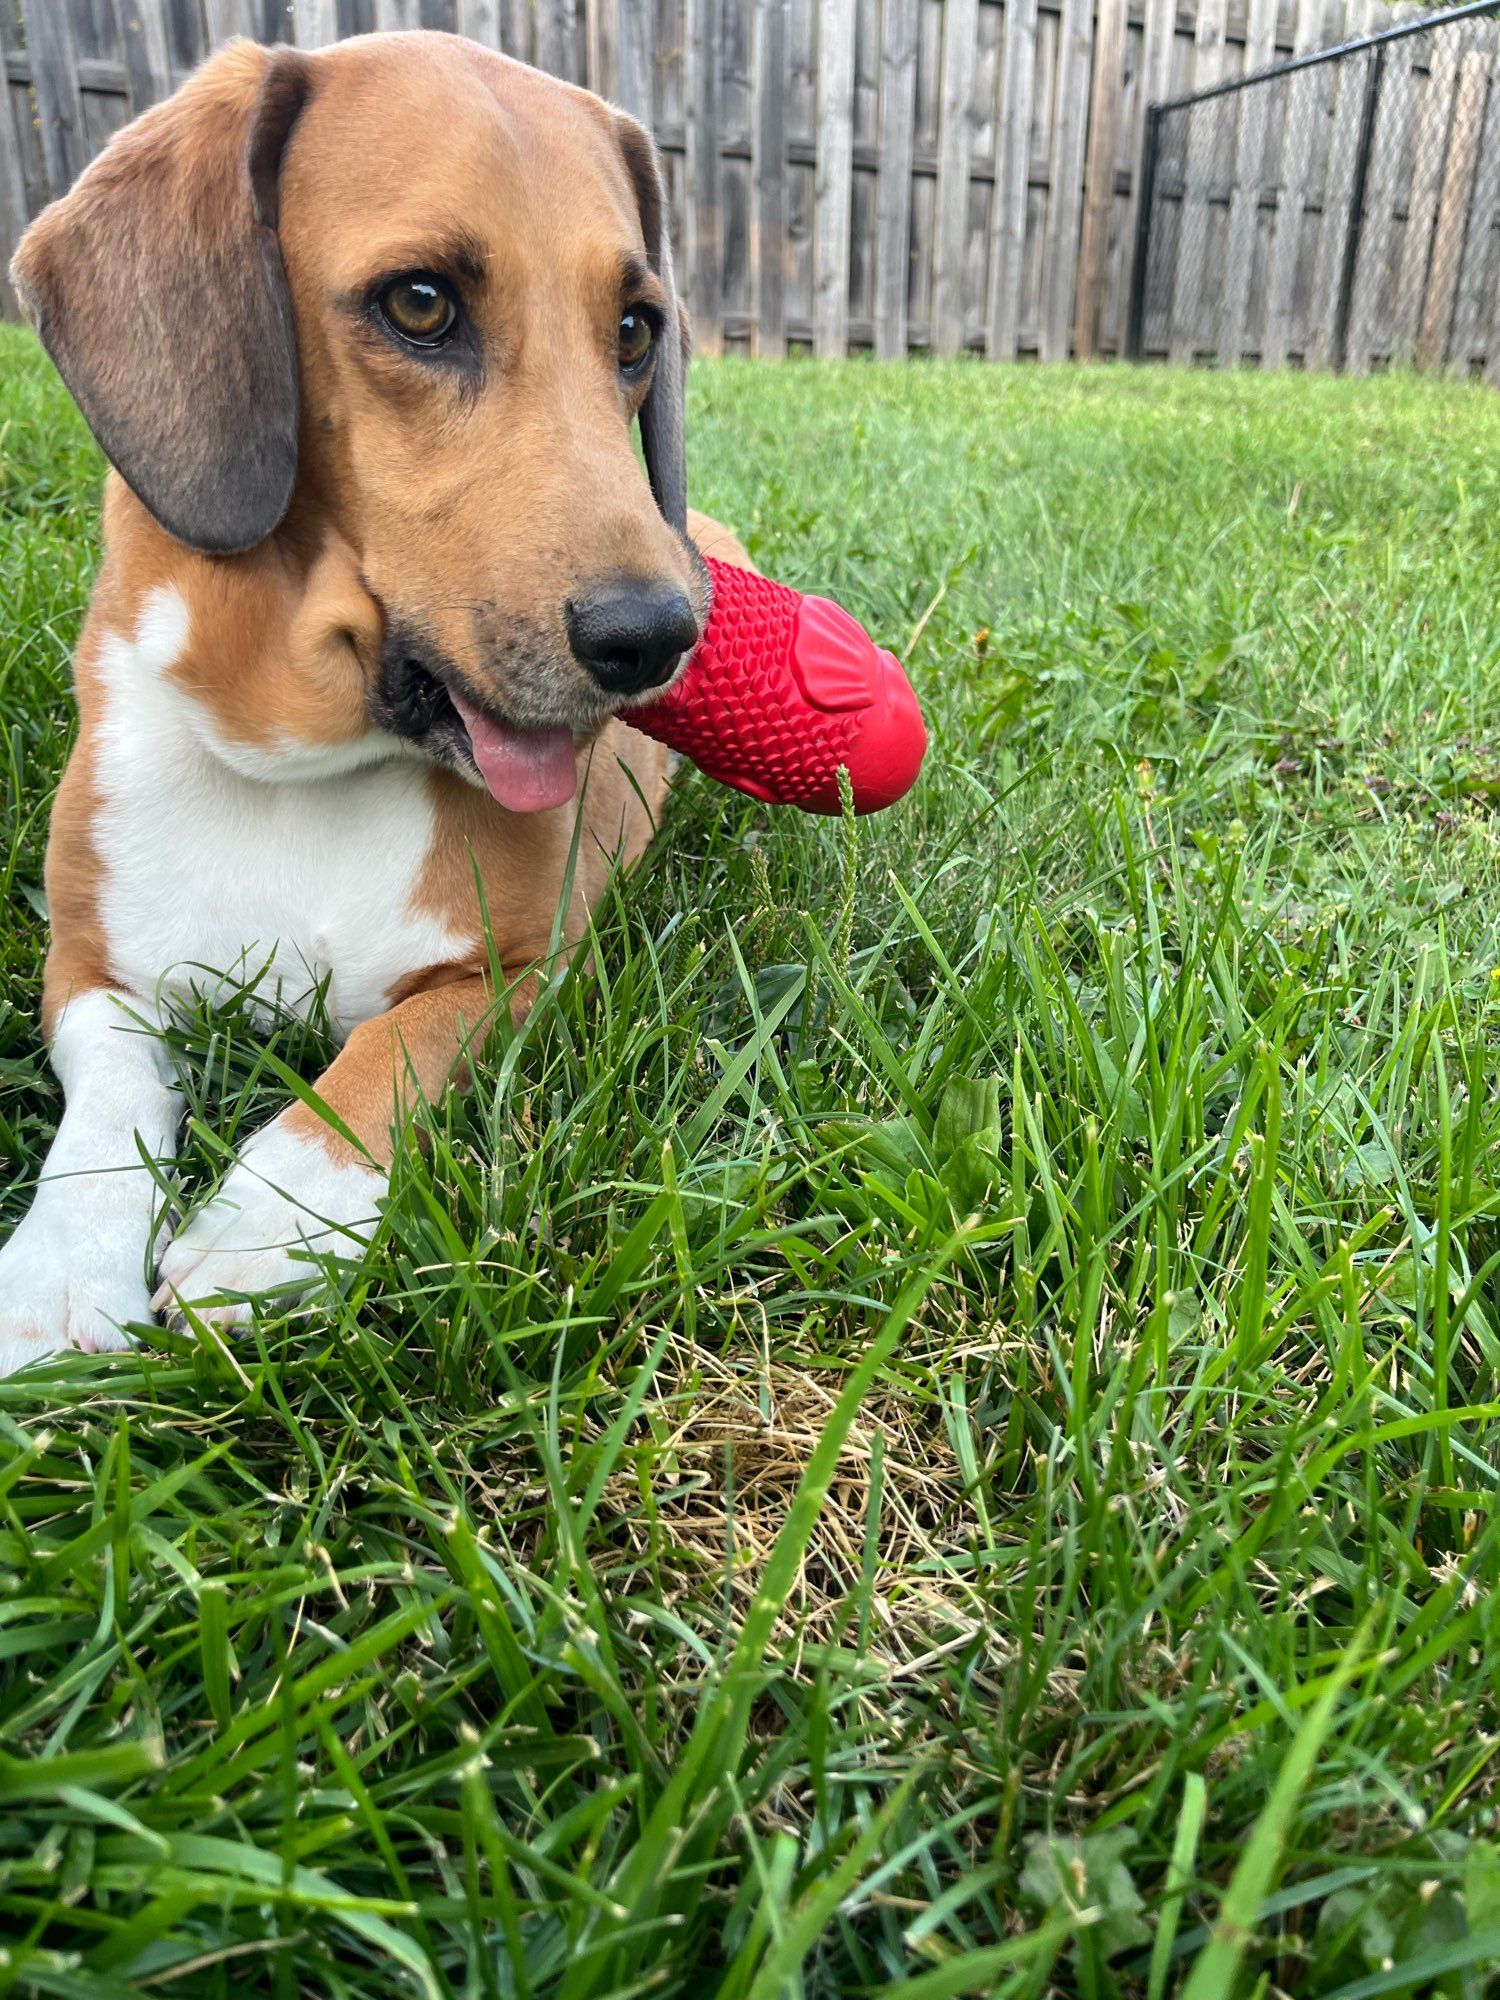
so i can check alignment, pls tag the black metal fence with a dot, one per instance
(1340, 210)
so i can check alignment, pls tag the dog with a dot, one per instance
(363, 333)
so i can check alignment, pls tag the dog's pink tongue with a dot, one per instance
(527, 770)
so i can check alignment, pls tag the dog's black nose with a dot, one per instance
(630, 634)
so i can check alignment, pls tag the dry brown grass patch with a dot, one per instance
(724, 1443)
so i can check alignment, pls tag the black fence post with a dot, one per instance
(1357, 209)
(1136, 320)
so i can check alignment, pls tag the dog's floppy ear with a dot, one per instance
(157, 286)
(662, 413)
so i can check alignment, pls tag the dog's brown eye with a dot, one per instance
(636, 335)
(419, 308)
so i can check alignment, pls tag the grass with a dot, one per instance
(933, 1427)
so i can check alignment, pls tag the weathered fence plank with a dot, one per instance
(1244, 204)
(1453, 209)
(635, 81)
(1065, 192)
(1155, 81)
(960, 20)
(1305, 95)
(13, 202)
(1013, 171)
(602, 30)
(518, 30)
(59, 103)
(1352, 85)
(480, 21)
(898, 104)
(768, 252)
(144, 43)
(703, 279)
(315, 23)
(1192, 222)
(736, 146)
(1372, 273)
(1479, 277)
(225, 18)
(835, 166)
(863, 188)
(556, 39)
(1422, 203)
(1099, 175)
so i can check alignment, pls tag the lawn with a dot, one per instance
(930, 1427)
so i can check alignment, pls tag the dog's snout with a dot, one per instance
(630, 633)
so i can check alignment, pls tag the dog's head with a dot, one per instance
(409, 296)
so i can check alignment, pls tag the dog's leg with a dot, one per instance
(76, 1265)
(300, 1188)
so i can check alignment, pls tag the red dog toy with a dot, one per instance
(780, 691)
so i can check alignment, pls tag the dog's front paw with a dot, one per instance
(288, 1202)
(69, 1280)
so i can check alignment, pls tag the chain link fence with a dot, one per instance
(1341, 210)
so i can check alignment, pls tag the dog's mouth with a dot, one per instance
(525, 770)
(526, 767)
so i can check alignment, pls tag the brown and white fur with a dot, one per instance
(310, 535)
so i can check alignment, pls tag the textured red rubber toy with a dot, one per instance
(781, 690)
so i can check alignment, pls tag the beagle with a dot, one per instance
(363, 333)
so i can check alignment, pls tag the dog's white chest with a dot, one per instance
(210, 878)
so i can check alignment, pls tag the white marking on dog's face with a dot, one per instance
(161, 639)
(288, 762)
(75, 1267)
(206, 869)
(286, 1201)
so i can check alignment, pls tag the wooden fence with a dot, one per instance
(1340, 212)
(890, 174)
